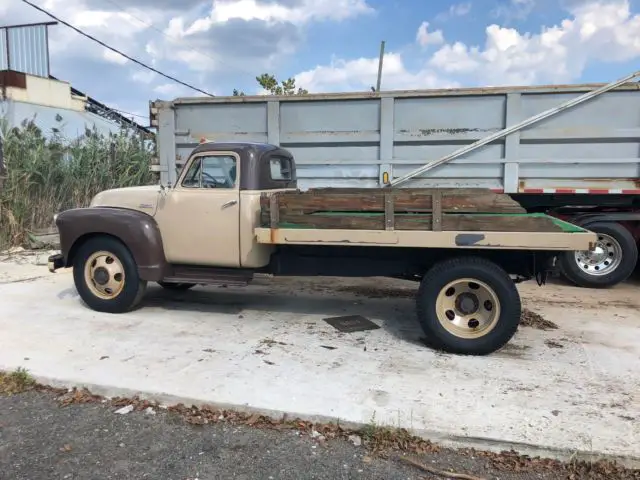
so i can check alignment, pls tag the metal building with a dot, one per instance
(25, 48)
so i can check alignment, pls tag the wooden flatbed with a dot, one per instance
(417, 218)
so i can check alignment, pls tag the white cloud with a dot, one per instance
(596, 31)
(144, 76)
(599, 31)
(169, 89)
(425, 38)
(214, 45)
(297, 13)
(514, 10)
(361, 74)
(455, 10)
(113, 57)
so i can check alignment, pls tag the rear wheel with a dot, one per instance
(468, 306)
(106, 276)
(611, 262)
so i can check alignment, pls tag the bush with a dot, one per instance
(44, 176)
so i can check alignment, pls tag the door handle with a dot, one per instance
(229, 203)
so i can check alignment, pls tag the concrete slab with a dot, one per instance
(267, 348)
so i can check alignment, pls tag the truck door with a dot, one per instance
(200, 217)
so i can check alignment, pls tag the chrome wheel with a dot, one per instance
(104, 275)
(605, 258)
(468, 308)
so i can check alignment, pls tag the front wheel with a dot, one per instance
(612, 261)
(106, 276)
(468, 305)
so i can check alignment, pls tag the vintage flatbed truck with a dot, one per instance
(235, 211)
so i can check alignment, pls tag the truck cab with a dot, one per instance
(207, 218)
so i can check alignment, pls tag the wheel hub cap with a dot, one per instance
(104, 275)
(101, 276)
(468, 308)
(603, 259)
(467, 303)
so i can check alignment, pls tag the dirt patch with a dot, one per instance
(535, 320)
(552, 344)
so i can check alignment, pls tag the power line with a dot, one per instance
(142, 64)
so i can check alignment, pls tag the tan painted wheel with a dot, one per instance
(104, 275)
(468, 308)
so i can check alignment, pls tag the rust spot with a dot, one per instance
(445, 131)
(335, 133)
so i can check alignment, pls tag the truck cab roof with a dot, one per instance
(263, 166)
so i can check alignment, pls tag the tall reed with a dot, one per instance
(43, 176)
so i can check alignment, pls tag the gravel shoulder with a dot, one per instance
(40, 439)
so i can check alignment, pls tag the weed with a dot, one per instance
(15, 382)
(43, 176)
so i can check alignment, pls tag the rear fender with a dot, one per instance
(137, 230)
(586, 219)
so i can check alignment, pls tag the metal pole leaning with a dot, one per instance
(519, 126)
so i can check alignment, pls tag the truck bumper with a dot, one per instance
(55, 262)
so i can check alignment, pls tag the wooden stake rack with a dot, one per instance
(453, 209)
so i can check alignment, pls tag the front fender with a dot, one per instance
(137, 230)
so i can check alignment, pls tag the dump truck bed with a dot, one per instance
(353, 139)
(419, 218)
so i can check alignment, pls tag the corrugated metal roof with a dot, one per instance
(25, 48)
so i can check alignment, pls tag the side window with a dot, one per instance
(219, 171)
(280, 168)
(215, 171)
(192, 178)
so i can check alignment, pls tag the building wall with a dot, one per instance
(47, 92)
(50, 104)
(67, 123)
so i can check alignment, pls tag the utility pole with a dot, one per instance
(380, 66)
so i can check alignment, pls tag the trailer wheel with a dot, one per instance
(612, 262)
(176, 286)
(468, 305)
(106, 276)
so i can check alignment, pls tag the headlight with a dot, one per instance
(55, 217)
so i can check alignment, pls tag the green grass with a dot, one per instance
(45, 176)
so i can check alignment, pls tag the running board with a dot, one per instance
(208, 275)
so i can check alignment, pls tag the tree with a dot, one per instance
(270, 84)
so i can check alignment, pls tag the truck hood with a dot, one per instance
(143, 199)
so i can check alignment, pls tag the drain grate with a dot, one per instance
(351, 323)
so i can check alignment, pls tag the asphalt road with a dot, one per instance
(41, 440)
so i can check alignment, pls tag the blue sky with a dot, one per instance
(332, 45)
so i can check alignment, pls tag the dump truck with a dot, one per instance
(580, 161)
(235, 212)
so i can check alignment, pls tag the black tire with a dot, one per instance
(481, 270)
(133, 289)
(572, 271)
(176, 286)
